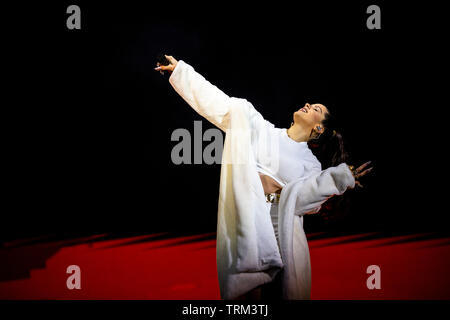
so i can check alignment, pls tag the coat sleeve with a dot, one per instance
(314, 191)
(208, 100)
(205, 98)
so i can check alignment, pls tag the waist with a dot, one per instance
(269, 184)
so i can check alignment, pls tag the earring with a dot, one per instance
(292, 123)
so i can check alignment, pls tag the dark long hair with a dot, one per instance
(330, 150)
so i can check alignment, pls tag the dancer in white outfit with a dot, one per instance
(269, 180)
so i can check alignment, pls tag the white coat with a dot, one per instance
(247, 250)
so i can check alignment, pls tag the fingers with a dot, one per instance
(363, 166)
(359, 171)
(359, 175)
(161, 67)
(359, 184)
(171, 59)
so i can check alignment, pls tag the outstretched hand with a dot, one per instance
(170, 67)
(360, 172)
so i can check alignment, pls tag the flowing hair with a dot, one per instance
(329, 148)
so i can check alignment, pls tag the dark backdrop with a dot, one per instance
(88, 121)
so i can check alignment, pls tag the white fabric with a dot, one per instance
(295, 159)
(247, 251)
(274, 217)
(298, 198)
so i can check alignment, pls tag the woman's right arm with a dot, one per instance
(205, 98)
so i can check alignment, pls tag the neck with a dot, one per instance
(298, 133)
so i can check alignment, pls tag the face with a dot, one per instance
(310, 115)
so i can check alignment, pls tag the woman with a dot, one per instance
(269, 180)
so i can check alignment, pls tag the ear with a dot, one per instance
(319, 128)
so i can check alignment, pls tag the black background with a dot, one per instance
(88, 122)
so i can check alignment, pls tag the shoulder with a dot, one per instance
(312, 163)
(276, 130)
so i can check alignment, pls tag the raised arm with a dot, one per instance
(205, 98)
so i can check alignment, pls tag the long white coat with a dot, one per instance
(247, 250)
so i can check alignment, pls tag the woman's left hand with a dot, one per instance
(360, 172)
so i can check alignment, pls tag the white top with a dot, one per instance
(293, 160)
(289, 160)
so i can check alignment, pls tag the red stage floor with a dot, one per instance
(412, 267)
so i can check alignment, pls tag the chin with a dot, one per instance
(298, 121)
(299, 116)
